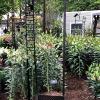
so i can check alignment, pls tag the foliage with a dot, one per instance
(81, 53)
(72, 5)
(47, 61)
(16, 73)
(6, 6)
(2, 71)
(48, 67)
(6, 40)
(53, 10)
(94, 79)
(2, 75)
(2, 80)
(81, 5)
(51, 5)
(56, 28)
(47, 39)
(3, 50)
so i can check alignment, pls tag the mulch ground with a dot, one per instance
(77, 89)
(3, 96)
(52, 93)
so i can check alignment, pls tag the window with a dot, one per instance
(76, 28)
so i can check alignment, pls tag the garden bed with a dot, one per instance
(52, 95)
(78, 89)
(3, 96)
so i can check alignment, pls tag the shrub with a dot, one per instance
(48, 68)
(2, 80)
(82, 51)
(94, 78)
(16, 73)
(6, 40)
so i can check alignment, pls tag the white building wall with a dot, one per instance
(71, 19)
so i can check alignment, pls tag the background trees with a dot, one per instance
(53, 5)
(6, 6)
(74, 5)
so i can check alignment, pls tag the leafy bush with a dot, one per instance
(16, 73)
(6, 40)
(82, 51)
(94, 79)
(2, 80)
(48, 68)
(48, 65)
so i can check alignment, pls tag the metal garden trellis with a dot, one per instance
(64, 45)
(30, 23)
(13, 26)
(64, 36)
(29, 29)
(44, 16)
(30, 34)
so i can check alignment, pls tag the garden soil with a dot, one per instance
(3, 96)
(77, 89)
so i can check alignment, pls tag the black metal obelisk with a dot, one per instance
(13, 25)
(64, 44)
(44, 16)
